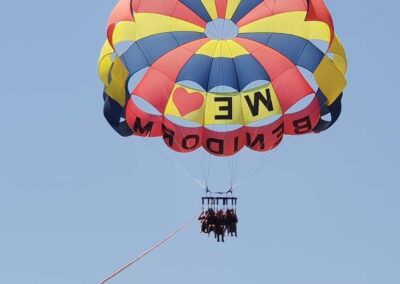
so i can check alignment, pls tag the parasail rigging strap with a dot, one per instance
(261, 163)
(266, 159)
(126, 266)
(183, 169)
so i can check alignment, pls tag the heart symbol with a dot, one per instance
(187, 102)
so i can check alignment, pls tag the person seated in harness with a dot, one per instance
(203, 220)
(211, 221)
(231, 221)
(220, 226)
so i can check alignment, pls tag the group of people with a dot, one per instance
(219, 222)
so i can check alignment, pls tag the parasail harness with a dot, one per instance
(219, 200)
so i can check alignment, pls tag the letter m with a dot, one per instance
(142, 130)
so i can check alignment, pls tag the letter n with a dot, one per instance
(259, 139)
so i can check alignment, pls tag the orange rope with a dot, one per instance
(170, 236)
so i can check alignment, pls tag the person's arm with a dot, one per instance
(201, 216)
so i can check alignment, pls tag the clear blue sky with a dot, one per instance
(77, 200)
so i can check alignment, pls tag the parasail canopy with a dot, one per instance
(223, 74)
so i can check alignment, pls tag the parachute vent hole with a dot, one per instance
(321, 45)
(265, 121)
(327, 117)
(122, 47)
(192, 85)
(309, 76)
(182, 122)
(223, 127)
(302, 104)
(135, 79)
(256, 85)
(144, 105)
(222, 89)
